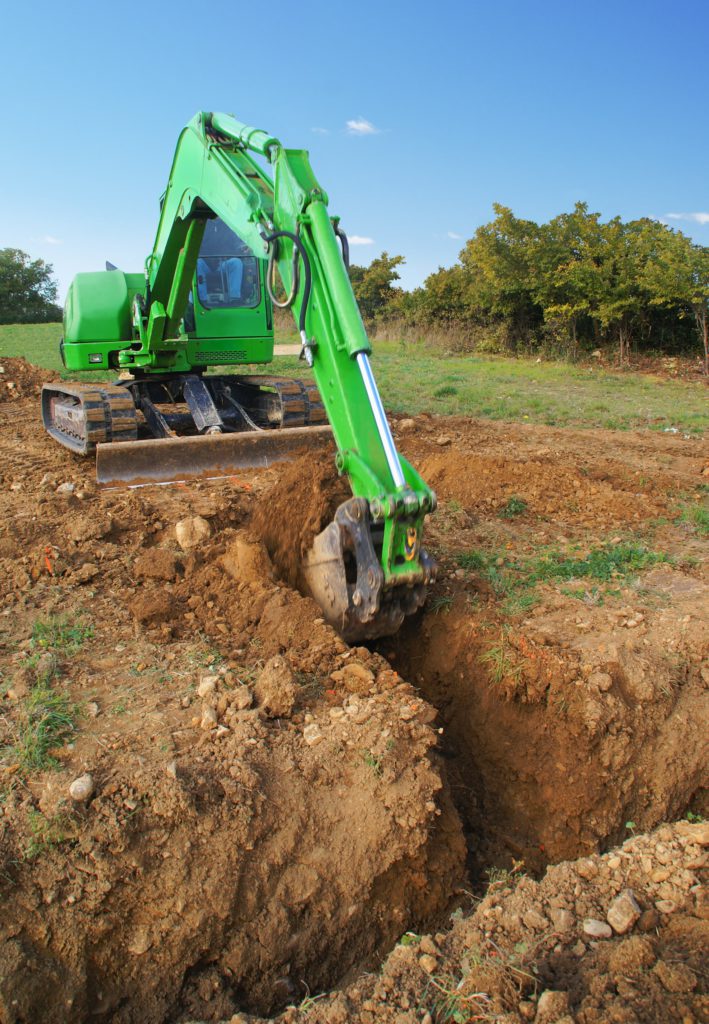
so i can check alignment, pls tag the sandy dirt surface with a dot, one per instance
(265, 812)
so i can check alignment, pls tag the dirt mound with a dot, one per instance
(269, 810)
(20, 379)
(294, 511)
(615, 938)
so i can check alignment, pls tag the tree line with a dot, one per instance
(570, 284)
(28, 291)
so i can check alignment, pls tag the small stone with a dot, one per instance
(185, 702)
(65, 490)
(82, 788)
(312, 734)
(613, 863)
(275, 688)
(527, 1009)
(443, 440)
(207, 685)
(242, 698)
(563, 919)
(209, 717)
(534, 920)
(222, 731)
(407, 424)
(665, 906)
(92, 709)
(601, 679)
(171, 769)
(597, 929)
(623, 912)
(428, 963)
(551, 1005)
(86, 572)
(47, 480)
(648, 920)
(355, 677)
(192, 531)
(587, 868)
(427, 945)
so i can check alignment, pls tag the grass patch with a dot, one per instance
(605, 563)
(514, 507)
(440, 603)
(46, 833)
(414, 378)
(515, 581)
(61, 633)
(697, 518)
(500, 663)
(45, 717)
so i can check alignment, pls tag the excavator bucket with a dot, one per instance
(203, 457)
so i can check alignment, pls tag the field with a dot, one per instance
(496, 815)
(414, 379)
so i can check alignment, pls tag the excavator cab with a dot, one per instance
(229, 317)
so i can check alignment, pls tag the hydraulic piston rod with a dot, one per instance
(380, 419)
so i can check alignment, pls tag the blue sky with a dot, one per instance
(418, 115)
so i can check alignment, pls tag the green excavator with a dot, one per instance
(227, 231)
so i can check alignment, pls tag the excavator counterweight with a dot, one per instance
(227, 229)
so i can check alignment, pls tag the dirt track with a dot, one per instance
(272, 810)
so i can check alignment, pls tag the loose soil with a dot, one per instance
(270, 810)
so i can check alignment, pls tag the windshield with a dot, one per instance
(227, 270)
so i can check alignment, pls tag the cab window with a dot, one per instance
(227, 271)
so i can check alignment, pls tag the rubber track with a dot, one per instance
(108, 414)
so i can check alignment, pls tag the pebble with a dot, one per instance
(552, 1005)
(192, 531)
(242, 698)
(312, 734)
(563, 919)
(623, 912)
(587, 869)
(92, 709)
(82, 788)
(207, 685)
(209, 717)
(534, 920)
(171, 769)
(86, 572)
(665, 906)
(443, 440)
(428, 963)
(65, 489)
(597, 929)
(427, 945)
(407, 424)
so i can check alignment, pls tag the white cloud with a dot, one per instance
(698, 218)
(51, 240)
(320, 131)
(360, 240)
(453, 234)
(360, 126)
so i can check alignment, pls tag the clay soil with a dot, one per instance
(415, 832)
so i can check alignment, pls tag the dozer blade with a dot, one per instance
(174, 459)
(343, 575)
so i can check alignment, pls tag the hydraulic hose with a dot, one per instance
(306, 273)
